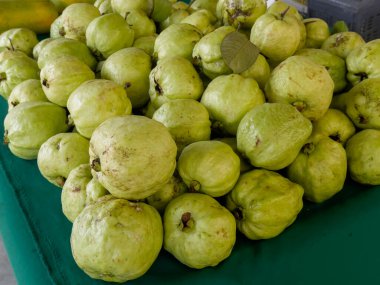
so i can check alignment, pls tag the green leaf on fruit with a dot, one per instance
(238, 52)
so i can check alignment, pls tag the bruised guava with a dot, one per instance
(95, 101)
(210, 167)
(107, 34)
(26, 127)
(26, 91)
(130, 68)
(272, 134)
(132, 156)
(264, 203)
(198, 231)
(341, 44)
(59, 78)
(186, 119)
(227, 107)
(21, 39)
(116, 240)
(60, 154)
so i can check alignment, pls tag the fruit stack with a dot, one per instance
(173, 126)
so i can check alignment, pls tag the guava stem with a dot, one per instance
(362, 75)
(60, 180)
(195, 186)
(14, 103)
(157, 87)
(299, 105)
(95, 164)
(62, 31)
(238, 214)
(45, 83)
(3, 76)
(12, 47)
(187, 221)
(284, 13)
(308, 148)
(335, 137)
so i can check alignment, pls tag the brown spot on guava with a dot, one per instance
(76, 189)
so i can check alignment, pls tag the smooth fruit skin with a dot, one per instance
(21, 39)
(116, 240)
(317, 31)
(259, 70)
(264, 203)
(27, 91)
(363, 156)
(132, 156)
(198, 231)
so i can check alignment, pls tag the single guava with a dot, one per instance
(317, 31)
(341, 44)
(55, 28)
(21, 39)
(107, 34)
(132, 156)
(278, 36)
(335, 125)
(168, 192)
(203, 19)
(174, 78)
(161, 10)
(94, 101)
(130, 68)
(279, 7)
(94, 191)
(26, 127)
(264, 203)
(259, 70)
(73, 195)
(176, 17)
(38, 47)
(186, 119)
(14, 70)
(116, 240)
(177, 40)
(227, 107)
(140, 23)
(238, 13)
(304, 84)
(364, 62)
(146, 44)
(59, 78)
(123, 7)
(363, 104)
(244, 164)
(26, 91)
(75, 19)
(198, 231)
(66, 47)
(272, 134)
(363, 156)
(104, 6)
(209, 5)
(60, 154)
(210, 167)
(207, 54)
(320, 168)
(335, 65)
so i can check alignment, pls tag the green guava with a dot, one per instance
(186, 119)
(6, 53)
(364, 62)
(264, 203)
(102, 42)
(104, 6)
(38, 47)
(73, 195)
(140, 23)
(66, 47)
(26, 91)
(335, 125)
(132, 156)
(209, 5)
(168, 192)
(26, 127)
(21, 39)
(209, 167)
(301, 82)
(174, 78)
(203, 19)
(175, 18)
(75, 19)
(341, 44)
(259, 70)
(363, 157)
(60, 154)
(272, 134)
(335, 65)
(59, 78)
(198, 231)
(130, 68)
(55, 28)
(177, 40)
(161, 10)
(116, 240)
(124, 7)
(238, 13)
(317, 31)
(362, 104)
(94, 191)
(227, 107)
(94, 101)
(207, 54)
(14, 70)
(146, 44)
(279, 7)
(320, 168)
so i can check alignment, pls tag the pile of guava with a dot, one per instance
(172, 126)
